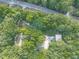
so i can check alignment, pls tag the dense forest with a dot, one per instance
(32, 26)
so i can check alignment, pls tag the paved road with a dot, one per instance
(28, 5)
(33, 6)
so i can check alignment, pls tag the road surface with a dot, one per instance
(28, 5)
(33, 6)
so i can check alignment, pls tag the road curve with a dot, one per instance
(28, 5)
(33, 6)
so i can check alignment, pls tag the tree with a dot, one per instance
(76, 3)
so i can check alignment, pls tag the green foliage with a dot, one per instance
(13, 22)
(75, 12)
(76, 3)
(59, 5)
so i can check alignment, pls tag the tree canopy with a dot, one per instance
(14, 21)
